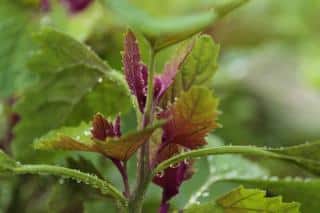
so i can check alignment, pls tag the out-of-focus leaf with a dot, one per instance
(71, 82)
(197, 68)
(16, 24)
(80, 139)
(165, 31)
(246, 200)
(66, 197)
(78, 25)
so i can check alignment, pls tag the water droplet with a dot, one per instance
(175, 165)
(160, 174)
(186, 161)
(100, 80)
(205, 194)
(86, 133)
(61, 181)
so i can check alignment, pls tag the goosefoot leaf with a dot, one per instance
(191, 118)
(197, 68)
(303, 190)
(241, 200)
(165, 31)
(10, 166)
(71, 81)
(80, 139)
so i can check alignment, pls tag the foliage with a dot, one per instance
(140, 139)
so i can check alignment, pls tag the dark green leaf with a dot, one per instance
(73, 83)
(16, 25)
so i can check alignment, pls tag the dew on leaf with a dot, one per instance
(160, 174)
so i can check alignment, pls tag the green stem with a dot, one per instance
(105, 187)
(248, 150)
(144, 174)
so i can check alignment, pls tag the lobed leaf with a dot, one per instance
(246, 200)
(305, 191)
(192, 117)
(197, 68)
(72, 85)
(79, 139)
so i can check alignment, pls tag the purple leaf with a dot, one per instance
(136, 72)
(103, 128)
(165, 80)
(170, 181)
(73, 6)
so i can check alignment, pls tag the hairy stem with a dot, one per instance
(144, 174)
(122, 167)
(248, 150)
(105, 187)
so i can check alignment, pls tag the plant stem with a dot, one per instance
(249, 150)
(122, 167)
(144, 174)
(105, 187)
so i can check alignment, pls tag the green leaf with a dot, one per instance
(166, 31)
(72, 85)
(16, 24)
(201, 64)
(299, 156)
(79, 139)
(304, 191)
(198, 67)
(246, 200)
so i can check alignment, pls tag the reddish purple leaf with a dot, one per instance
(101, 128)
(136, 72)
